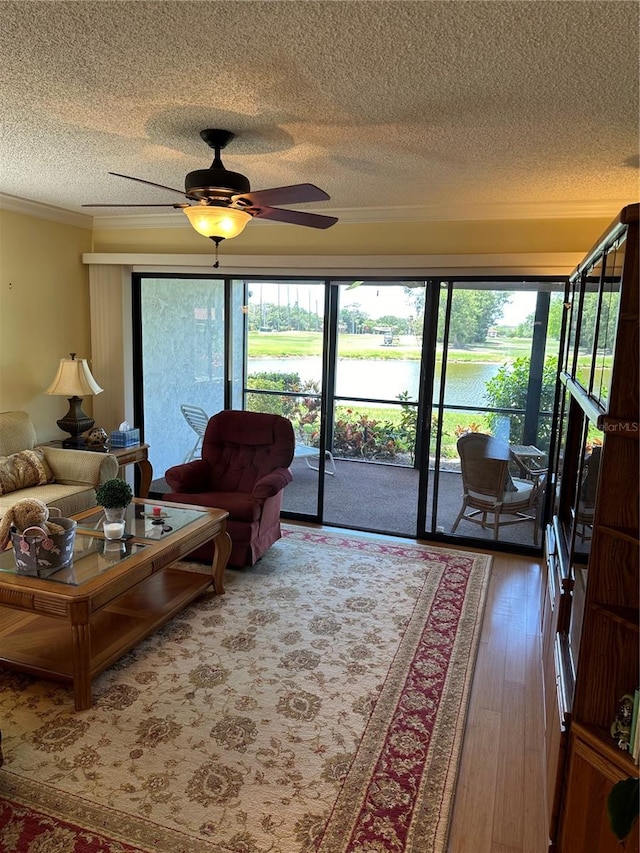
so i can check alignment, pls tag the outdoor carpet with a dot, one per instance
(319, 705)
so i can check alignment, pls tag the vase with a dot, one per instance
(115, 513)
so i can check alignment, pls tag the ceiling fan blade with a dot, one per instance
(295, 194)
(148, 183)
(178, 205)
(295, 217)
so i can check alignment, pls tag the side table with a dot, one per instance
(137, 454)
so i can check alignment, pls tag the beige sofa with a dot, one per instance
(67, 478)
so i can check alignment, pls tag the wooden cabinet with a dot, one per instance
(592, 544)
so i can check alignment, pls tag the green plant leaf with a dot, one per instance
(622, 807)
(113, 493)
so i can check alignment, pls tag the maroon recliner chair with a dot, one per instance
(244, 468)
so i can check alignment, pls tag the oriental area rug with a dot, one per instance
(317, 707)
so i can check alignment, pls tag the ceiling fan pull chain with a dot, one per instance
(217, 241)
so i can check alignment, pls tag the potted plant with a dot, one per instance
(114, 496)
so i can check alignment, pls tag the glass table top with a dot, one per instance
(91, 557)
(142, 523)
(93, 554)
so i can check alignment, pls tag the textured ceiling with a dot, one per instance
(434, 106)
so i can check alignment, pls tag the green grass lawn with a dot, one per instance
(309, 344)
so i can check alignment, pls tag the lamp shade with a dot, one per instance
(221, 222)
(73, 379)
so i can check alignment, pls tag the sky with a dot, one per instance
(376, 300)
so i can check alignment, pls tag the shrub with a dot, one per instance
(408, 426)
(509, 389)
(364, 437)
(303, 412)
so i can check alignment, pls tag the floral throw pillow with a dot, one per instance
(24, 469)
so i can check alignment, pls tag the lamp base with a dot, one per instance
(75, 422)
(75, 443)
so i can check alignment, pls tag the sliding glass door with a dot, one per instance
(495, 376)
(343, 362)
(375, 377)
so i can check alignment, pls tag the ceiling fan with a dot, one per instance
(223, 202)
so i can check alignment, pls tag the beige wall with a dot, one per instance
(398, 238)
(44, 313)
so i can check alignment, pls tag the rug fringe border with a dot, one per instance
(147, 837)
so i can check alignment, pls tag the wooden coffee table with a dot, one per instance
(75, 623)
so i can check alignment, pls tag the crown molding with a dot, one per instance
(45, 211)
(474, 212)
(425, 213)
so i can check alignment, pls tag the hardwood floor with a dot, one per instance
(500, 797)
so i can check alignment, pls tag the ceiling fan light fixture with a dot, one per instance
(221, 222)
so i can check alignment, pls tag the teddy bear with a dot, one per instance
(29, 512)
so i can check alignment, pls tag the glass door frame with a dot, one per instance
(247, 281)
(236, 326)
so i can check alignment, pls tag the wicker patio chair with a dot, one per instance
(489, 489)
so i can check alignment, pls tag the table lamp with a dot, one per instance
(74, 381)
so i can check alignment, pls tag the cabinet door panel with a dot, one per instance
(585, 826)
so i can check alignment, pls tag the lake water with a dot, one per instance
(385, 379)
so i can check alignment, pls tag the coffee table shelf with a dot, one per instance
(43, 645)
(71, 631)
